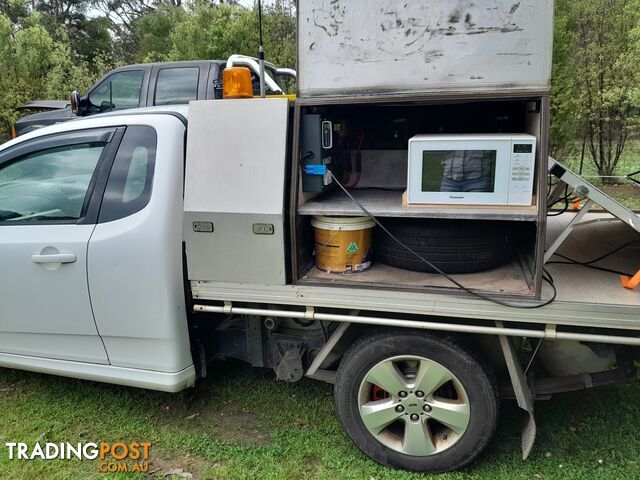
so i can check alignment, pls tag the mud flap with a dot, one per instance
(524, 394)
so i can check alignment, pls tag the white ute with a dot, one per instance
(91, 249)
(138, 246)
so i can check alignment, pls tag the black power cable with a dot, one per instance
(631, 175)
(562, 210)
(595, 267)
(589, 264)
(546, 276)
(608, 254)
(568, 197)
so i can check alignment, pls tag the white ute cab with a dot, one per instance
(91, 251)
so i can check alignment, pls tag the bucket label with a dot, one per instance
(352, 248)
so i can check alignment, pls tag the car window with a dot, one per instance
(129, 186)
(49, 184)
(176, 85)
(118, 91)
(287, 83)
(255, 81)
(137, 174)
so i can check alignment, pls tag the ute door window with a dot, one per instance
(129, 186)
(50, 189)
(49, 185)
(176, 85)
(118, 91)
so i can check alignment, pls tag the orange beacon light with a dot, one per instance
(236, 83)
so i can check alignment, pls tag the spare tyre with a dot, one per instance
(454, 246)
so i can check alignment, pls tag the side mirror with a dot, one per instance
(75, 101)
(106, 106)
(79, 105)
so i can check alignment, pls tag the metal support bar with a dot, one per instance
(524, 395)
(328, 347)
(567, 231)
(444, 327)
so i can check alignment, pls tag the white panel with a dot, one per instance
(391, 46)
(236, 151)
(236, 163)
(63, 346)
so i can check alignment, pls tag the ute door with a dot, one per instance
(135, 253)
(48, 209)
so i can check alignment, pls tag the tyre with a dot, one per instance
(452, 246)
(417, 402)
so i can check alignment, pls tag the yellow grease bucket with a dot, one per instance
(342, 244)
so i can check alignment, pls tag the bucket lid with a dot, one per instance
(342, 223)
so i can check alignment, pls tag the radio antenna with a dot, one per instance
(261, 51)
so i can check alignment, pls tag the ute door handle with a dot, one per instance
(55, 258)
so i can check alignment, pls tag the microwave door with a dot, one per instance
(459, 172)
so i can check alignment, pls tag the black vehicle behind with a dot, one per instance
(152, 84)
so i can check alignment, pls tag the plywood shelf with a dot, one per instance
(389, 203)
(508, 279)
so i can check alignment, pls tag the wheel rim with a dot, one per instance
(414, 405)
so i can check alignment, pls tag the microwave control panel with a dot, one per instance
(523, 153)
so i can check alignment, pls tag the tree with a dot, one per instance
(564, 122)
(280, 33)
(34, 65)
(603, 36)
(50, 47)
(123, 13)
(91, 40)
(215, 31)
(153, 33)
(13, 9)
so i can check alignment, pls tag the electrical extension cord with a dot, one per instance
(546, 276)
(589, 263)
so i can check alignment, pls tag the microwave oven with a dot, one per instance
(471, 169)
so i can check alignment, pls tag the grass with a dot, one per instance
(625, 191)
(240, 423)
